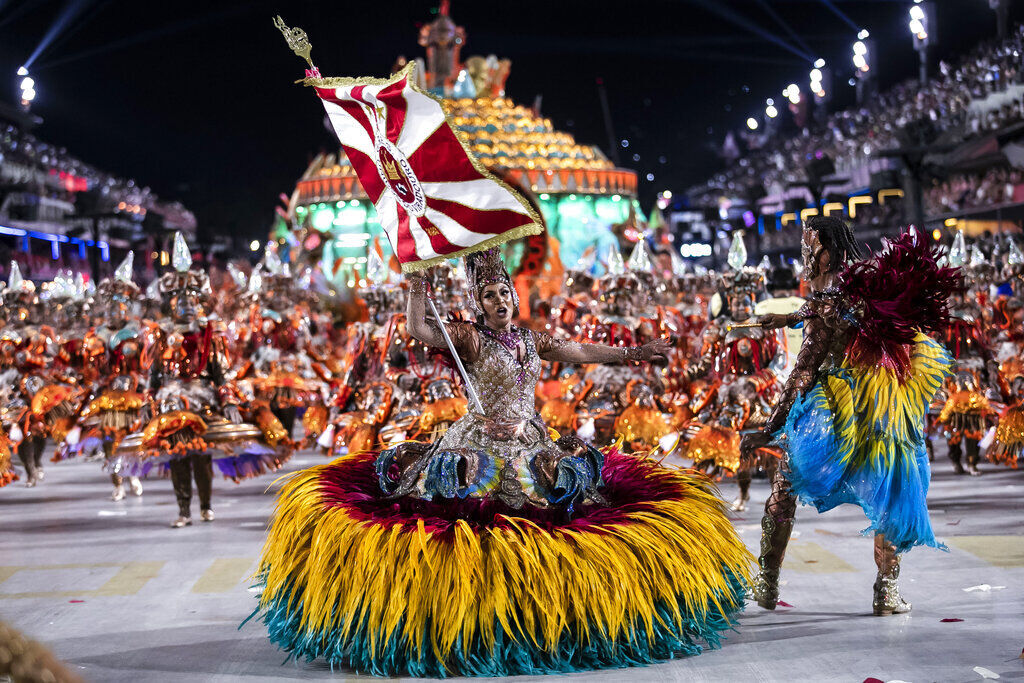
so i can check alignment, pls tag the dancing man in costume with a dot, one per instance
(851, 416)
(198, 421)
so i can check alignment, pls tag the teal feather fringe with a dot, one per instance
(509, 657)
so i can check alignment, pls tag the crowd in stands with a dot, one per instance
(995, 186)
(26, 159)
(854, 137)
(48, 171)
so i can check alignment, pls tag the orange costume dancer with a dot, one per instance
(192, 429)
(741, 364)
(116, 409)
(35, 407)
(285, 374)
(974, 380)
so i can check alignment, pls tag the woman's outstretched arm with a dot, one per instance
(559, 350)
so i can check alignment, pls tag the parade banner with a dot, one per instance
(434, 200)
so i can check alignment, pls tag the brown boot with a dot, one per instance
(887, 598)
(776, 527)
(973, 455)
(955, 454)
(743, 481)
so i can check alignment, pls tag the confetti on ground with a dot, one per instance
(984, 588)
(76, 600)
(871, 679)
(948, 620)
(783, 603)
(953, 523)
(985, 673)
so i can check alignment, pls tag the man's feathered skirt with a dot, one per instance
(858, 437)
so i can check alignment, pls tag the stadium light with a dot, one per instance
(792, 93)
(863, 51)
(770, 111)
(752, 123)
(861, 57)
(818, 79)
(27, 86)
(917, 20)
(921, 24)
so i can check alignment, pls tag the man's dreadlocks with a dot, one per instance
(836, 238)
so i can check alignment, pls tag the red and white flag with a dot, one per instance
(434, 200)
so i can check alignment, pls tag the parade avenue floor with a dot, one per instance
(120, 596)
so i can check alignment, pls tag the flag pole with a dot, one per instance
(458, 361)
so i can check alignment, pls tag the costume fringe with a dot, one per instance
(1009, 438)
(858, 437)
(471, 587)
(314, 420)
(877, 412)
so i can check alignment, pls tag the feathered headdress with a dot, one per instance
(897, 293)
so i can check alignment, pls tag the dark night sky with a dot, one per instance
(196, 100)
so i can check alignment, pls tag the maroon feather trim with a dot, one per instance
(897, 292)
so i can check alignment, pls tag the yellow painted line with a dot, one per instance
(48, 594)
(224, 575)
(1001, 551)
(807, 556)
(128, 581)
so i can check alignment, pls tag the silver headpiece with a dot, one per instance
(639, 260)
(486, 268)
(615, 265)
(737, 251)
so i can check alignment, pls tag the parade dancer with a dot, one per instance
(284, 372)
(32, 405)
(486, 552)
(974, 380)
(742, 362)
(118, 405)
(496, 480)
(851, 416)
(196, 425)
